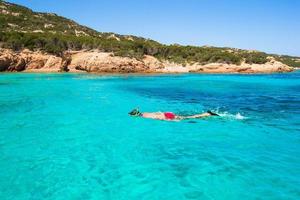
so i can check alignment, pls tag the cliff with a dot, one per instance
(95, 61)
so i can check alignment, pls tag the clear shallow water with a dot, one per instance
(68, 136)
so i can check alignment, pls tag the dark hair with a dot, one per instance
(135, 112)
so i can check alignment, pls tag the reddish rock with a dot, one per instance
(101, 62)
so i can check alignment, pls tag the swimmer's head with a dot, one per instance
(135, 112)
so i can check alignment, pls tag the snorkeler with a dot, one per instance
(169, 115)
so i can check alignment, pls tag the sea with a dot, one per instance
(69, 136)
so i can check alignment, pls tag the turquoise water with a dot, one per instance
(68, 136)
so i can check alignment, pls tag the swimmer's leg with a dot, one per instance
(195, 116)
(202, 115)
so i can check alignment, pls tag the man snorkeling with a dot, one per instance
(169, 115)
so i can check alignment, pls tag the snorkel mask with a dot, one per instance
(135, 112)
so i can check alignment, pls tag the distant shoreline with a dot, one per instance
(141, 74)
(58, 44)
(95, 61)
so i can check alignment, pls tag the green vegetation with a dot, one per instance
(290, 61)
(255, 57)
(23, 19)
(21, 28)
(57, 43)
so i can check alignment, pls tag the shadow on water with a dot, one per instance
(4, 84)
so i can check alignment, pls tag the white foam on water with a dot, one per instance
(237, 116)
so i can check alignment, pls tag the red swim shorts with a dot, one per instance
(169, 115)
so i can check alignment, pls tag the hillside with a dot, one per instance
(21, 28)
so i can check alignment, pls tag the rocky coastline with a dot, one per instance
(95, 61)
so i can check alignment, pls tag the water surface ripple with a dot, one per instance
(68, 136)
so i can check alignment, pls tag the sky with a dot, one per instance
(272, 26)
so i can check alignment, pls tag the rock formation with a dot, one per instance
(102, 62)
